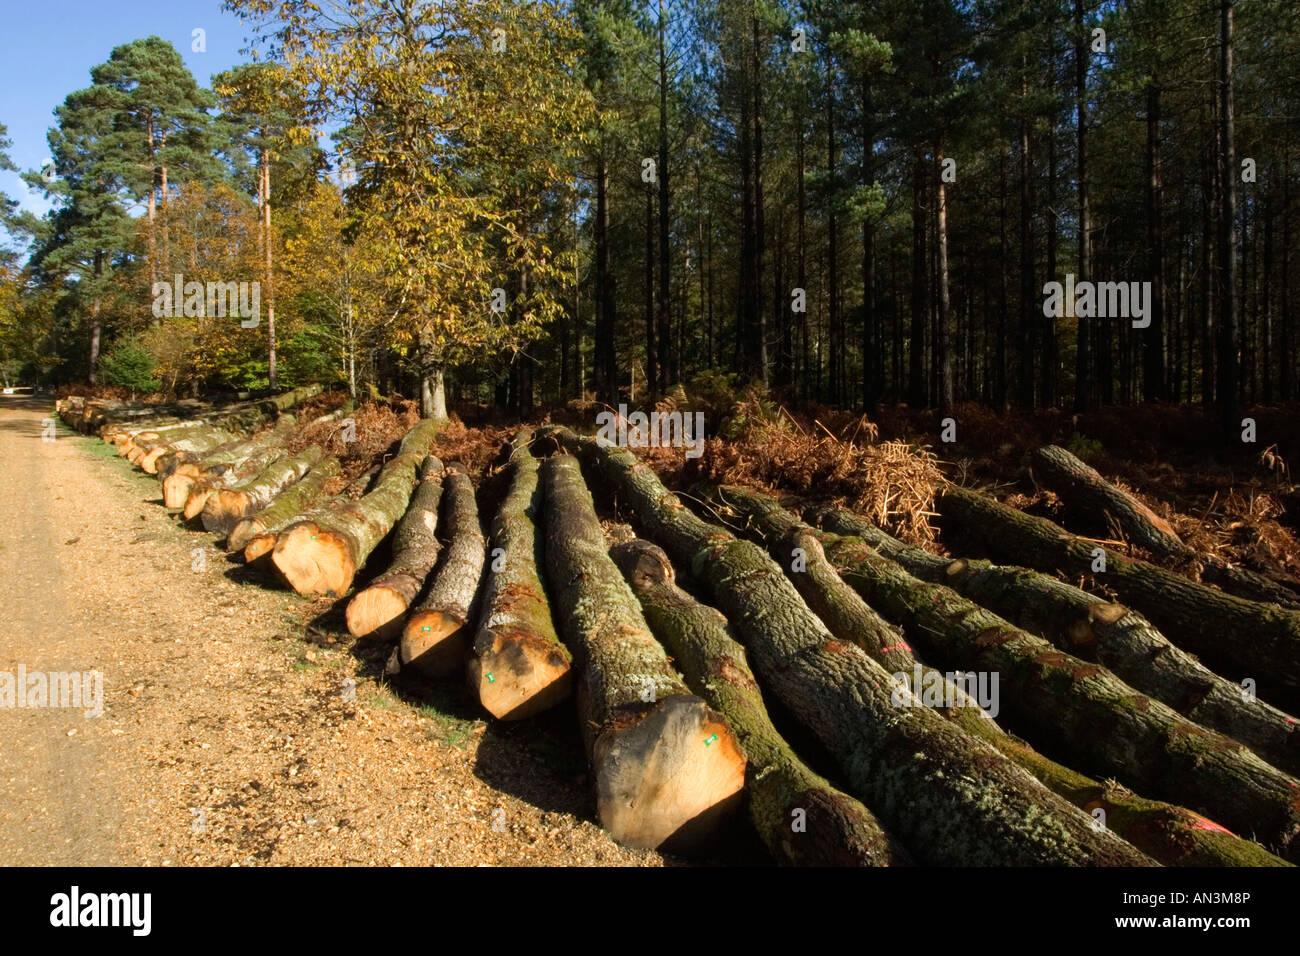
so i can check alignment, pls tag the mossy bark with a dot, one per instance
(1234, 636)
(1097, 631)
(378, 610)
(667, 766)
(1170, 834)
(949, 798)
(1101, 506)
(227, 506)
(517, 665)
(800, 816)
(1083, 709)
(321, 554)
(435, 636)
(282, 510)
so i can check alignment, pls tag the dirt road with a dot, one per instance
(239, 727)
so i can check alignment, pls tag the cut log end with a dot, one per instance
(517, 674)
(434, 642)
(666, 777)
(149, 462)
(314, 561)
(224, 508)
(376, 613)
(262, 545)
(196, 501)
(176, 489)
(242, 534)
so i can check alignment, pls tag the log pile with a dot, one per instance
(1119, 735)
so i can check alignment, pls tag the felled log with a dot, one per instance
(229, 462)
(1233, 636)
(321, 553)
(1083, 709)
(801, 818)
(1168, 833)
(1098, 631)
(237, 420)
(517, 665)
(377, 611)
(436, 634)
(194, 441)
(951, 799)
(1104, 506)
(666, 765)
(227, 506)
(1095, 499)
(256, 534)
(245, 470)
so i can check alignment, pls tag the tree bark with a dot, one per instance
(1112, 510)
(227, 506)
(280, 511)
(1099, 631)
(1170, 834)
(1083, 384)
(667, 767)
(1094, 715)
(377, 611)
(1108, 509)
(950, 799)
(222, 464)
(435, 636)
(1197, 618)
(1229, 374)
(517, 665)
(801, 818)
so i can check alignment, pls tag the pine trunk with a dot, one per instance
(517, 665)
(378, 610)
(800, 816)
(667, 767)
(436, 634)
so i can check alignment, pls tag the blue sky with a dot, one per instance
(47, 48)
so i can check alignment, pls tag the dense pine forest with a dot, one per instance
(524, 204)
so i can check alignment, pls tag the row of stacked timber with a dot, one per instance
(948, 797)
(1235, 636)
(842, 629)
(1097, 630)
(1081, 710)
(320, 553)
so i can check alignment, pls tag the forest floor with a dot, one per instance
(239, 726)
